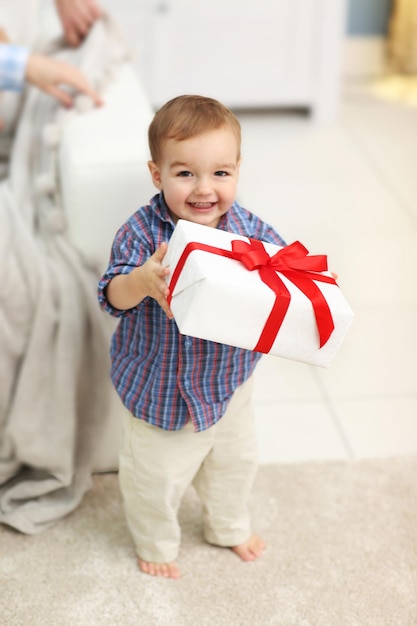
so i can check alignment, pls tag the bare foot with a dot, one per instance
(250, 549)
(167, 570)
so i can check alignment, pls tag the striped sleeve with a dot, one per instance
(13, 60)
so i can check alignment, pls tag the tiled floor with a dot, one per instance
(348, 191)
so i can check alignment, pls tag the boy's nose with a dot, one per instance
(203, 187)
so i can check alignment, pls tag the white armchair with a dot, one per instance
(104, 176)
(70, 182)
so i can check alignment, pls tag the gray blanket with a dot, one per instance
(53, 348)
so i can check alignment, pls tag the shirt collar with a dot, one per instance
(161, 209)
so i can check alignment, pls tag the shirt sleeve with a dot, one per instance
(13, 60)
(130, 249)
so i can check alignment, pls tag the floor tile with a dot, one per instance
(297, 431)
(378, 355)
(320, 185)
(380, 426)
(376, 269)
(386, 132)
(278, 380)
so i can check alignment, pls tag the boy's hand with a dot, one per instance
(126, 291)
(153, 278)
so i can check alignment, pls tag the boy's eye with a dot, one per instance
(220, 173)
(184, 173)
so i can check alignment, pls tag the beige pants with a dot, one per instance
(157, 466)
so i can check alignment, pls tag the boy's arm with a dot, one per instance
(126, 291)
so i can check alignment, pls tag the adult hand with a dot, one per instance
(77, 17)
(51, 75)
(4, 38)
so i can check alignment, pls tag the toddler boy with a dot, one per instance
(189, 417)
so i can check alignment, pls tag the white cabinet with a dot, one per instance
(246, 53)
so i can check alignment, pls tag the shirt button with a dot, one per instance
(186, 382)
(188, 343)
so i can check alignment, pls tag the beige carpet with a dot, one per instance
(342, 551)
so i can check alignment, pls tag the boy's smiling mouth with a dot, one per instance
(201, 205)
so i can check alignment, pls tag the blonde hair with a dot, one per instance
(187, 116)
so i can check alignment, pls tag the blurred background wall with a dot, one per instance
(366, 31)
(366, 25)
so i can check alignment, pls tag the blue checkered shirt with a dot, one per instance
(13, 61)
(162, 376)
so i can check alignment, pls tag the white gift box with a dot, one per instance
(218, 298)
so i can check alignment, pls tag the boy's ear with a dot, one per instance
(155, 174)
(239, 163)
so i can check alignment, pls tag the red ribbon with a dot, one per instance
(293, 263)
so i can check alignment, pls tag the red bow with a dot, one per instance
(293, 263)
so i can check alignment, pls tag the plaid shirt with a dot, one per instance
(162, 376)
(13, 61)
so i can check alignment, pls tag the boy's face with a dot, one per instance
(199, 176)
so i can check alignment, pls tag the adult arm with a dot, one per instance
(77, 17)
(51, 75)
